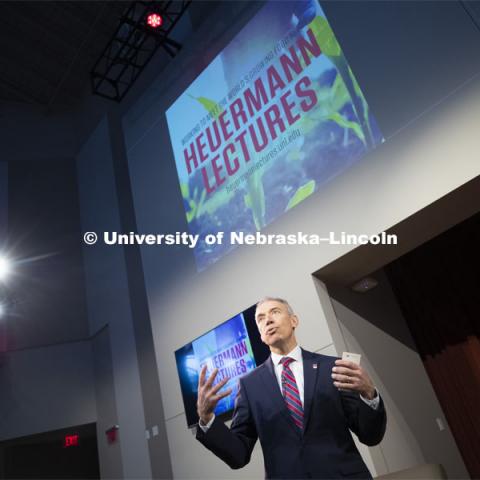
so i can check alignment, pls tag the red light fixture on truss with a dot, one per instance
(142, 30)
(154, 20)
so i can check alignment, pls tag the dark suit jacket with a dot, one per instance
(325, 449)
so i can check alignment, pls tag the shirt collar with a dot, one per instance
(296, 354)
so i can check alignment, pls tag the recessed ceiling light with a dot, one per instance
(364, 285)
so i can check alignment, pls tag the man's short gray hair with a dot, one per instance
(276, 299)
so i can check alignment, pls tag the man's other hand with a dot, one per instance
(208, 395)
(350, 376)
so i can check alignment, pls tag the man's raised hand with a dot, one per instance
(208, 395)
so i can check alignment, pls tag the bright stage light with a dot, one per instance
(4, 268)
(154, 20)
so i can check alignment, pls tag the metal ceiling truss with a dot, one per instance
(133, 45)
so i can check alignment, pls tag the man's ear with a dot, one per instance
(295, 321)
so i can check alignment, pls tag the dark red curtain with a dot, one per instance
(438, 288)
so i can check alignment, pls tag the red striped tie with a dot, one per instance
(290, 392)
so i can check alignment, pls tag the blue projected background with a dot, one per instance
(234, 348)
(227, 348)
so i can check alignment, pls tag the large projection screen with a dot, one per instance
(274, 117)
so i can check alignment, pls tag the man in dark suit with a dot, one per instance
(301, 405)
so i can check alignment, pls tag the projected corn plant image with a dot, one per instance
(273, 118)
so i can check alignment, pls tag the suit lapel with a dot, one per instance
(271, 385)
(310, 369)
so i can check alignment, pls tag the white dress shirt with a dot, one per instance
(297, 369)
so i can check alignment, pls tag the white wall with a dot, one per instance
(373, 325)
(188, 304)
(418, 164)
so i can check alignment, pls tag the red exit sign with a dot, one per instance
(71, 441)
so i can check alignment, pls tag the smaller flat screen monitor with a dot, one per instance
(234, 347)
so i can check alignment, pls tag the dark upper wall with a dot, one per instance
(407, 56)
(43, 234)
(29, 132)
(43, 214)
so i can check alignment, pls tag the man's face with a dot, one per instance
(275, 324)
